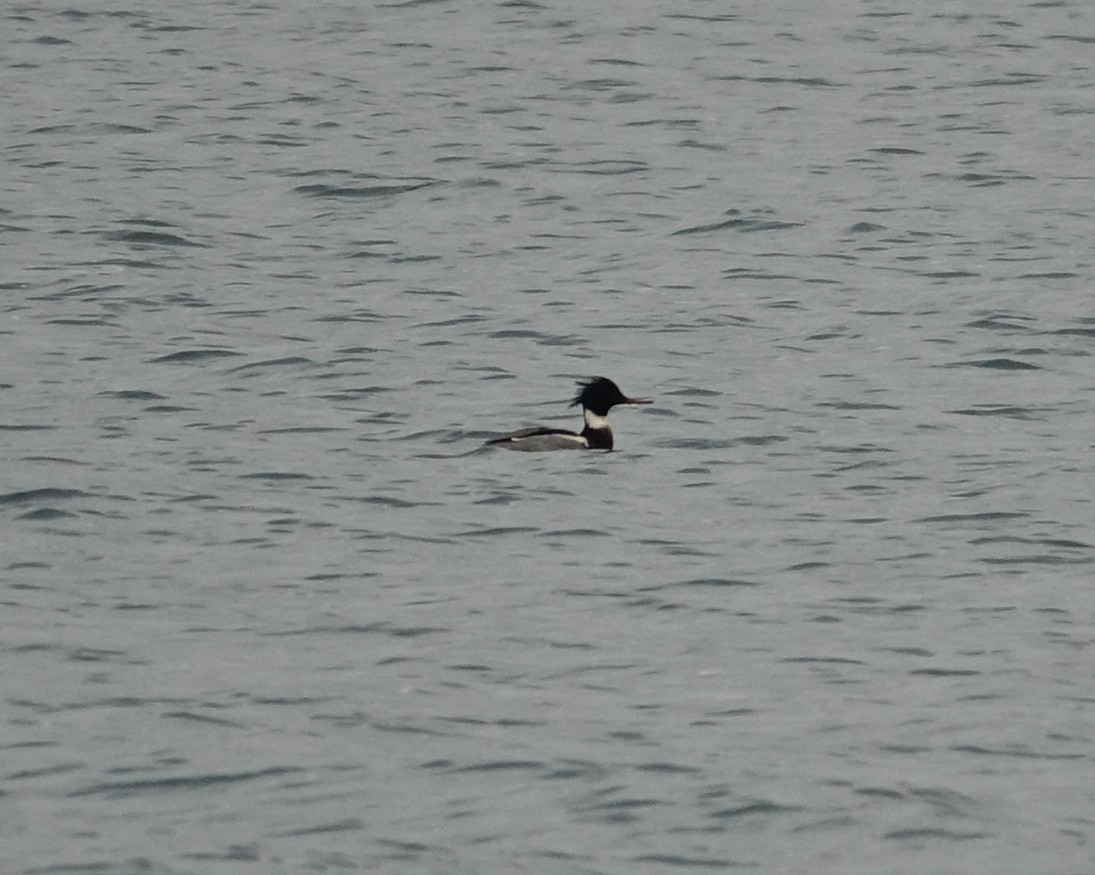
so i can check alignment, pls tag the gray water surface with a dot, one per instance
(272, 273)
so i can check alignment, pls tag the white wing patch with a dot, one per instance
(531, 440)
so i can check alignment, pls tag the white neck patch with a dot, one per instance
(594, 421)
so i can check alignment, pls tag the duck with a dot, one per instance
(596, 396)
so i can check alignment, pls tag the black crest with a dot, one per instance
(599, 395)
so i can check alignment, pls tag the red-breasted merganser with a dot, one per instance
(597, 397)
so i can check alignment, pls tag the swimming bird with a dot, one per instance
(597, 396)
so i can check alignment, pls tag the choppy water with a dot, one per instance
(272, 272)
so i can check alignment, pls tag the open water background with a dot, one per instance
(272, 272)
